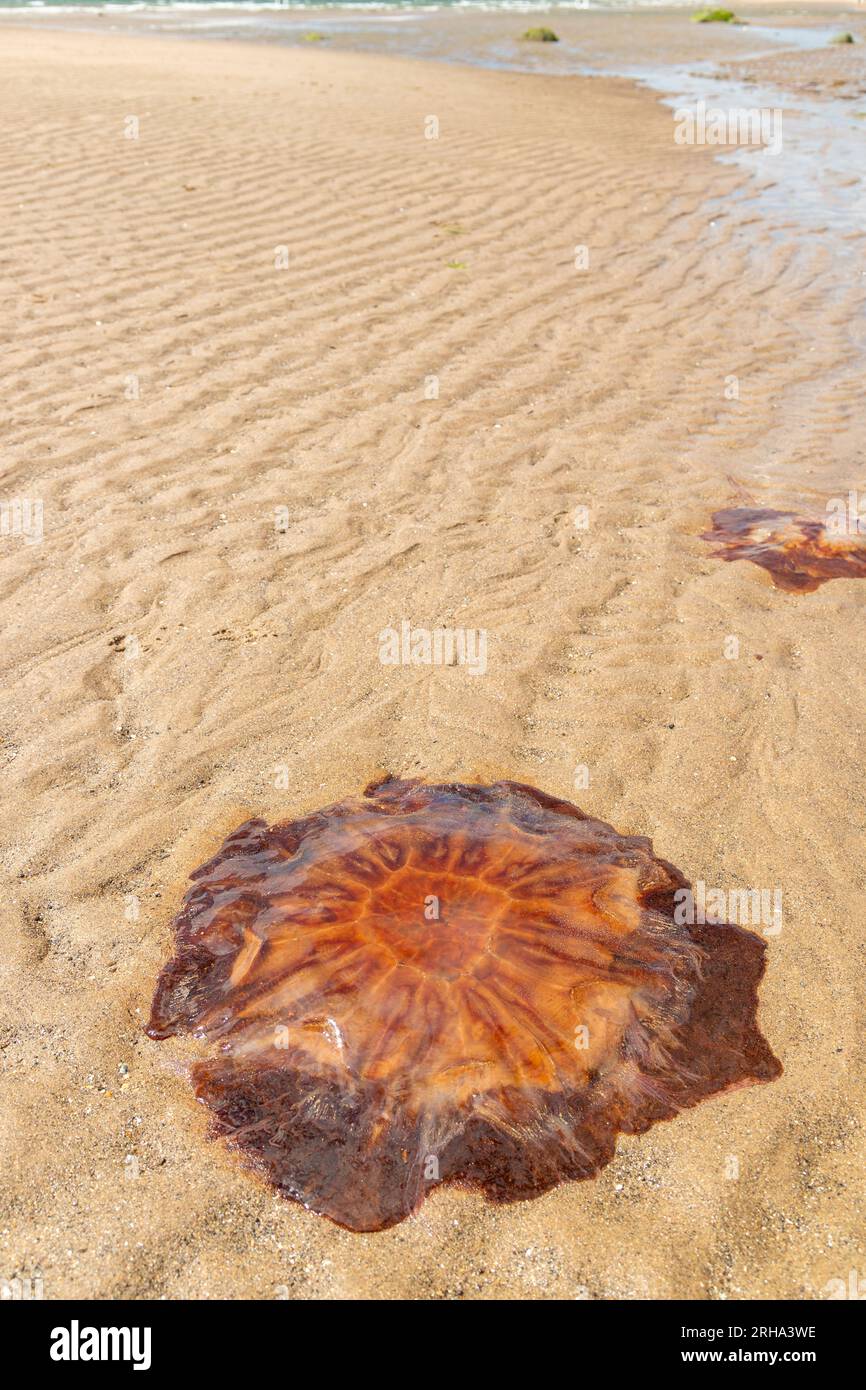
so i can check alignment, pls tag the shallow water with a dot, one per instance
(800, 214)
(825, 139)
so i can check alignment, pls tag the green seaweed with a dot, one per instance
(716, 17)
(843, 38)
(541, 35)
(313, 37)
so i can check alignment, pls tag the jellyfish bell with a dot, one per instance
(449, 984)
(799, 553)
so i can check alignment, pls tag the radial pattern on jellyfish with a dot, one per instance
(470, 984)
(798, 551)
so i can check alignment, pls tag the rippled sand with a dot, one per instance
(248, 472)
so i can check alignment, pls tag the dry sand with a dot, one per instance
(175, 663)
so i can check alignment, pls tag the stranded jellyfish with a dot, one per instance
(469, 984)
(799, 552)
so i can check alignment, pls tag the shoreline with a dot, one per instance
(789, 74)
(286, 372)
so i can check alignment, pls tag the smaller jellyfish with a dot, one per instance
(479, 985)
(797, 551)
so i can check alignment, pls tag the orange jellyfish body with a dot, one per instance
(455, 983)
(798, 552)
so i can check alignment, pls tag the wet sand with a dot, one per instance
(596, 39)
(284, 372)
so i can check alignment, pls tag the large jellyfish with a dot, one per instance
(449, 984)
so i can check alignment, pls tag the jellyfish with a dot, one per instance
(798, 552)
(464, 984)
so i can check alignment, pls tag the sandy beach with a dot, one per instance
(301, 344)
